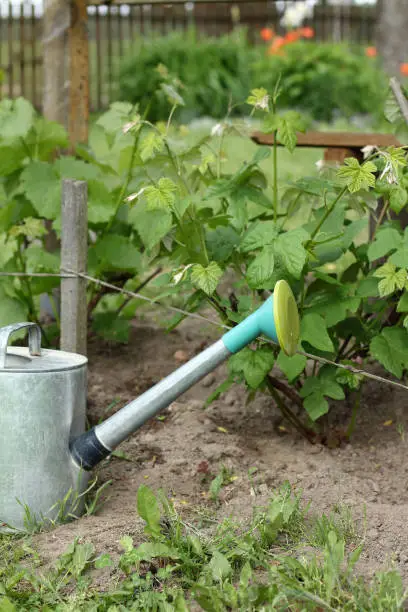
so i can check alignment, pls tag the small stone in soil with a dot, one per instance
(180, 356)
(208, 380)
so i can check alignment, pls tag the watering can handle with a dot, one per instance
(34, 339)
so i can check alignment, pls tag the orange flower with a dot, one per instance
(267, 34)
(307, 32)
(371, 52)
(292, 36)
(277, 45)
(404, 69)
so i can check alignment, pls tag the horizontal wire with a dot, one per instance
(65, 273)
(38, 274)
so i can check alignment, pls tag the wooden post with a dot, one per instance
(55, 58)
(66, 71)
(74, 246)
(79, 74)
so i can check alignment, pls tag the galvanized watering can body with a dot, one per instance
(45, 451)
(42, 408)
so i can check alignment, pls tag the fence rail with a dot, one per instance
(115, 30)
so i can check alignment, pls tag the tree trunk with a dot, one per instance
(392, 38)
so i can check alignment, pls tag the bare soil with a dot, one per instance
(369, 474)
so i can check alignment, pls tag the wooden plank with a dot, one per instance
(22, 52)
(74, 246)
(55, 61)
(10, 50)
(341, 140)
(127, 2)
(109, 51)
(33, 57)
(98, 60)
(79, 74)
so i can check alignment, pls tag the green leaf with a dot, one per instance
(220, 566)
(180, 604)
(390, 348)
(252, 365)
(148, 509)
(150, 145)
(316, 406)
(49, 136)
(286, 126)
(162, 195)
(392, 111)
(11, 309)
(291, 366)
(314, 331)
(290, 247)
(6, 605)
(289, 124)
(332, 389)
(8, 248)
(82, 556)
(118, 253)
(151, 225)
(12, 157)
(348, 378)
(172, 95)
(259, 98)
(357, 176)
(260, 270)
(398, 198)
(352, 231)
(386, 240)
(16, 118)
(400, 257)
(153, 550)
(39, 260)
(245, 575)
(206, 279)
(42, 187)
(126, 543)
(115, 118)
(334, 306)
(391, 279)
(215, 486)
(101, 205)
(69, 167)
(104, 560)
(30, 227)
(221, 243)
(260, 234)
(367, 287)
(402, 304)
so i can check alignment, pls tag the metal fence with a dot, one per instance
(115, 30)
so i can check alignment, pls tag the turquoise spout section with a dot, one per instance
(262, 321)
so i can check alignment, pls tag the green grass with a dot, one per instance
(282, 559)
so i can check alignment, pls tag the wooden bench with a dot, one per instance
(337, 145)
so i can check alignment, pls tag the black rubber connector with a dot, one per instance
(87, 451)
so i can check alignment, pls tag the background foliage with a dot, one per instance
(322, 79)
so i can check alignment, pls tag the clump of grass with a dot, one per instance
(232, 566)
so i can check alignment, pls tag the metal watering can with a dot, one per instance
(45, 451)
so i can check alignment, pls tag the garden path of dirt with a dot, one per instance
(369, 472)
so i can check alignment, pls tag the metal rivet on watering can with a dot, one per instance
(43, 447)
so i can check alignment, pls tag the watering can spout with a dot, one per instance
(277, 319)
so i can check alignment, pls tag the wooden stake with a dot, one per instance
(74, 246)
